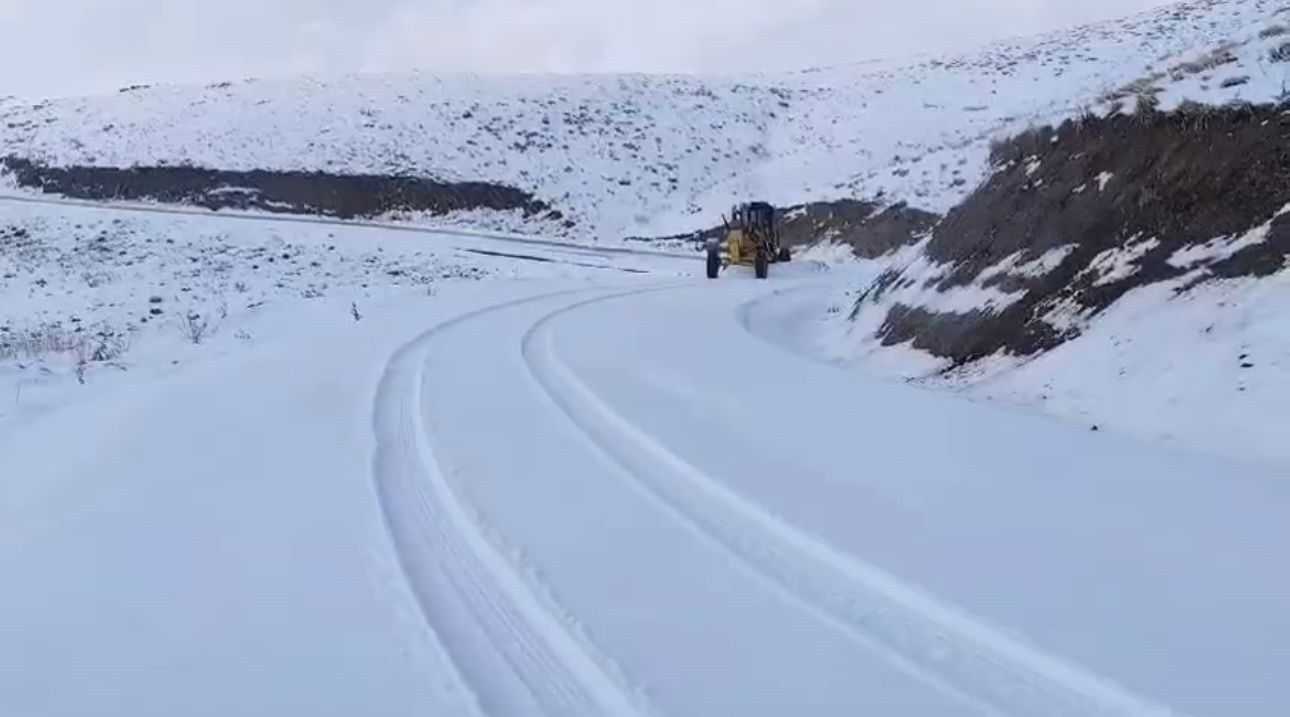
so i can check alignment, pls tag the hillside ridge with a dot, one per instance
(641, 155)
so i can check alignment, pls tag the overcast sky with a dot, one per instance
(61, 47)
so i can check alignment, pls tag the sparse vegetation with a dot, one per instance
(1146, 104)
(1280, 53)
(194, 327)
(99, 343)
(37, 342)
(1222, 55)
(1194, 115)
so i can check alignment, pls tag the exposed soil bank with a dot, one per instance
(335, 195)
(1114, 203)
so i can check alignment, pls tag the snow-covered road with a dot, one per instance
(622, 497)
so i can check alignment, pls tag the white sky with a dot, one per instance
(61, 47)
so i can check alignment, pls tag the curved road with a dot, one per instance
(631, 498)
(642, 504)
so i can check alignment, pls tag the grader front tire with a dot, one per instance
(714, 263)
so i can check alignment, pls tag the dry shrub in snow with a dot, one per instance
(37, 342)
(100, 343)
(104, 343)
(1216, 58)
(194, 327)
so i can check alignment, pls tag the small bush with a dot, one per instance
(1195, 116)
(1146, 105)
(1087, 118)
(1031, 142)
(95, 279)
(1273, 31)
(104, 344)
(1281, 53)
(194, 327)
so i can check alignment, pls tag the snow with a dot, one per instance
(828, 252)
(379, 510)
(74, 278)
(1012, 266)
(226, 555)
(1206, 370)
(789, 449)
(1066, 314)
(145, 563)
(1120, 262)
(642, 155)
(916, 286)
(1221, 248)
(481, 472)
(1157, 364)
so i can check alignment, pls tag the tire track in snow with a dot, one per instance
(514, 647)
(936, 643)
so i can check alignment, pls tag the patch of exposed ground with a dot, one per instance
(1075, 216)
(347, 196)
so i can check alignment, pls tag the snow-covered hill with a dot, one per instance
(618, 156)
(641, 155)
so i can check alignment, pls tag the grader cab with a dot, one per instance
(751, 239)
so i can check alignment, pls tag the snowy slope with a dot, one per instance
(92, 296)
(644, 155)
(1207, 369)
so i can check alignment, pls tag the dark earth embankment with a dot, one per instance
(1119, 196)
(870, 228)
(346, 196)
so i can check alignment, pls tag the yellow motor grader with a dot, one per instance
(751, 239)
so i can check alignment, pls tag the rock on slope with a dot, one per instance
(643, 155)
